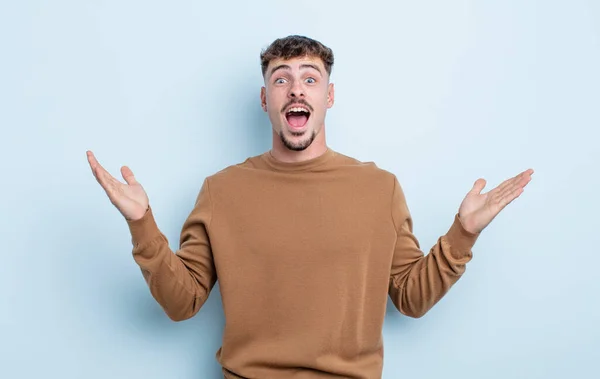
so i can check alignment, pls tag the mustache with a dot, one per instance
(298, 102)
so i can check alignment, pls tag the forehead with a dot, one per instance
(297, 63)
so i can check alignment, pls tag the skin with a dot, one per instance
(304, 80)
(478, 209)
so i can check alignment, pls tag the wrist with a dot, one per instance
(468, 224)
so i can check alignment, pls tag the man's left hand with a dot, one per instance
(477, 210)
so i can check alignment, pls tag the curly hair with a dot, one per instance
(294, 46)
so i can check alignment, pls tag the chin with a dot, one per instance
(298, 141)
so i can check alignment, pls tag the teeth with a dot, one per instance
(298, 109)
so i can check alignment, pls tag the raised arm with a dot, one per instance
(179, 281)
(419, 281)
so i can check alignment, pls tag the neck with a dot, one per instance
(283, 154)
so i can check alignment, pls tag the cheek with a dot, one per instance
(321, 96)
(275, 98)
(273, 108)
(320, 103)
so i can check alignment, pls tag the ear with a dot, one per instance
(263, 98)
(330, 95)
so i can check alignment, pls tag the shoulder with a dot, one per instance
(368, 170)
(233, 173)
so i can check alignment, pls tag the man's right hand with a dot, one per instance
(130, 199)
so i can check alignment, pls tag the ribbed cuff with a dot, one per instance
(461, 241)
(144, 229)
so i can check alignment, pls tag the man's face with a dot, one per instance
(296, 96)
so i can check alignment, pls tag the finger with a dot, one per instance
(510, 197)
(519, 181)
(128, 175)
(92, 161)
(96, 167)
(509, 184)
(517, 188)
(103, 177)
(501, 188)
(478, 186)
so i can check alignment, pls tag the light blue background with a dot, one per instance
(438, 92)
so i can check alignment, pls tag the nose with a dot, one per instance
(296, 90)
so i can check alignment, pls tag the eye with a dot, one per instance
(280, 81)
(311, 80)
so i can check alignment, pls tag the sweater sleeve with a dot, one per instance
(179, 281)
(418, 281)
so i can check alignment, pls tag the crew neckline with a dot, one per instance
(298, 166)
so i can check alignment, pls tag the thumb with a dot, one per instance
(478, 186)
(128, 175)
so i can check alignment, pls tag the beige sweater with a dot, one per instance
(306, 255)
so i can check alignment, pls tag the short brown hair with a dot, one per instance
(294, 46)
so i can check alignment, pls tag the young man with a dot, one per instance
(306, 243)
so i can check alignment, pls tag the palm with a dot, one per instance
(478, 209)
(130, 198)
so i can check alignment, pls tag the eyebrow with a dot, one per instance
(287, 67)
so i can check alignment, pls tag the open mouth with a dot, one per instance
(297, 117)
